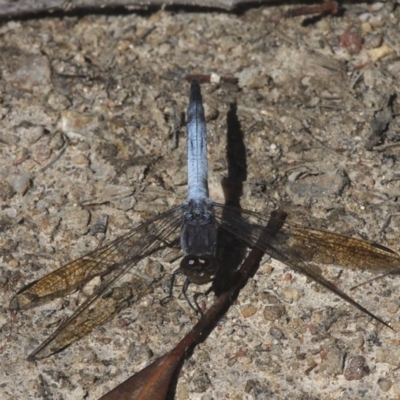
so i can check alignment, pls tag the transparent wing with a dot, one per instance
(89, 315)
(127, 249)
(310, 245)
(323, 247)
(300, 247)
(114, 260)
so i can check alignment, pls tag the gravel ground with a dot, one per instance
(90, 111)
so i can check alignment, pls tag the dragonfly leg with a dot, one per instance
(165, 300)
(196, 308)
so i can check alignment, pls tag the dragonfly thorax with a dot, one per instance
(198, 210)
(199, 233)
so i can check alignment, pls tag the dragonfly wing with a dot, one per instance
(135, 245)
(114, 259)
(329, 248)
(308, 244)
(297, 247)
(99, 310)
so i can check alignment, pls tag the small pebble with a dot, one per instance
(356, 368)
(276, 333)
(74, 123)
(373, 41)
(380, 52)
(153, 269)
(200, 382)
(6, 190)
(33, 71)
(290, 295)
(80, 159)
(248, 310)
(20, 183)
(332, 360)
(389, 355)
(385, 384)
(396, 389)
(366, 27)
(182, 392)
(75, 219)
(274, 312)
(393, 307)
(139, 354)
(10, 212)
(352, 40)
(357, 342)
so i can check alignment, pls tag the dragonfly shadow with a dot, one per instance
(231, 250)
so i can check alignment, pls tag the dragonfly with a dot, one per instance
(195, 224)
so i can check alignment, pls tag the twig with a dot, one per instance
(15, 9)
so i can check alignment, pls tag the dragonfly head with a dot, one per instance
(199, 269)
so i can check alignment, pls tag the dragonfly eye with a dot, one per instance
(199, 269)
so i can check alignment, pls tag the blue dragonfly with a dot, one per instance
(195, 224)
